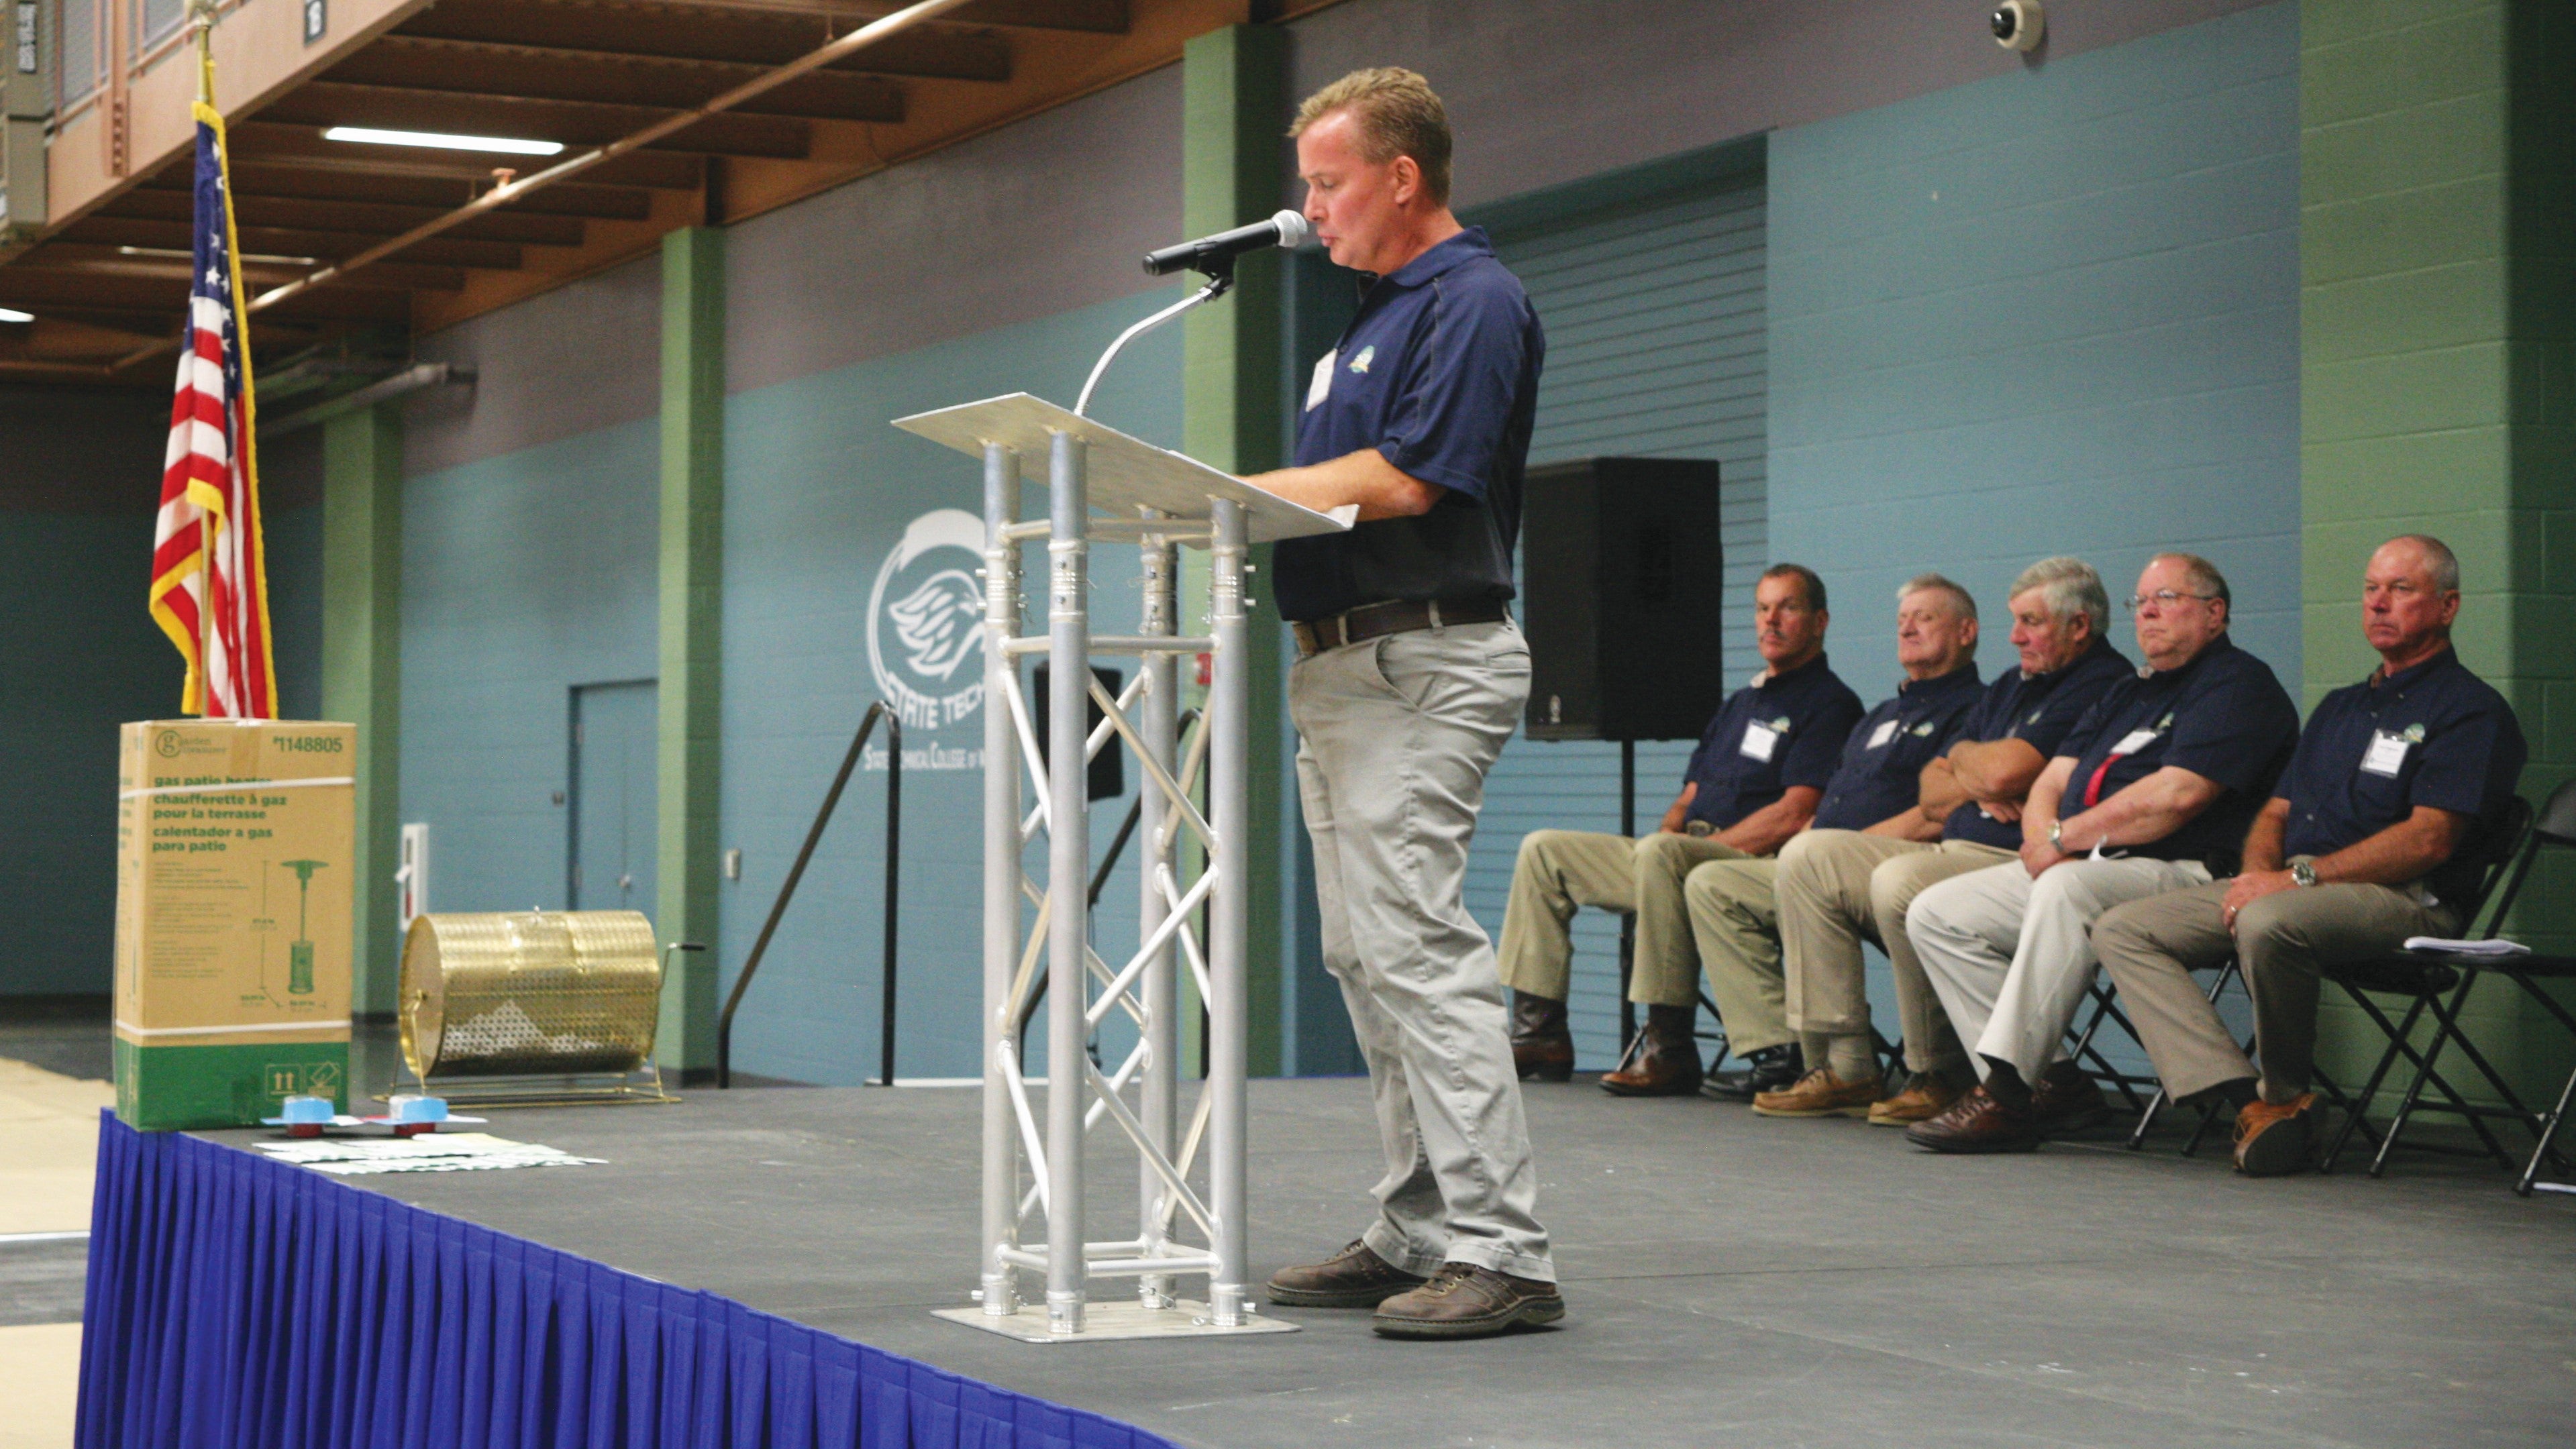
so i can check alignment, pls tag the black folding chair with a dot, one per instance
(2441, 986)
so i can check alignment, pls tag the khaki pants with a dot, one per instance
(1736, 925)
(1839, 888)
(1560, 871)
(2152, 946)
(2010, 955)
(1394, 737)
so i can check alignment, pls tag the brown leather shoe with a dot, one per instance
(2273, 1140)
(1542, 1046)
(2067, 1099)
(1465, 1301)
(1925, 1097)
(1355, 1277)
(1977, 1123)
(1666, 1061)
(1821, 1094)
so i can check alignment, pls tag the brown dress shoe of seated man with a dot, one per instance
(1925, 1097)
(1978, 1122)
(1355, 1277)
(1465, 1301)
(2274, 1139)
(1821, 1094)
(1542, 1045)
(2067, 1099)
(1666, 1061)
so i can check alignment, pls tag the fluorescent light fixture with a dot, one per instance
(259, 257)
(12, 314)
(508, 145)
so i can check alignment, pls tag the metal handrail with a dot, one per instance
(787, 891)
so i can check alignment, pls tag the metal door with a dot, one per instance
(613, 836)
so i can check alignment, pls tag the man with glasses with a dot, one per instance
(2150, 793)
(2364, 845)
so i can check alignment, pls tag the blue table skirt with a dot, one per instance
(238, 1302)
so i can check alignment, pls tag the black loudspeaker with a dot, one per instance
(1108, 773)
(1622, 590)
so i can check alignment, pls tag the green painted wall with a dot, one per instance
(692, 639)
(2438, 376)
(362, 482)
(1234, 105)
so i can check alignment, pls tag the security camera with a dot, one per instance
(2018, 24)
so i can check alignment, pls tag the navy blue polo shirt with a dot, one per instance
(1439, 372)
(2433, 734)
(1771, 736)
(2223, 716)
(2040, 710)
(1882, 766)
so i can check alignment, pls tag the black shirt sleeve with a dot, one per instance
(1816, 747)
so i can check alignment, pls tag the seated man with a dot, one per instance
(1876, 792)
(1839, 888)
(2394, 778)
(1753, 782)
(2159, 780)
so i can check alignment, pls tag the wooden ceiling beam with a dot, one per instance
(328, 246)
(1093, 17)
(39, 290)
(329, 103)
(593, 78)
(922, 54)
(755, 34)
(376, 218)
(428, 193)
(91, 258)
(303, 147)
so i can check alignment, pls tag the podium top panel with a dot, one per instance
(1127, 475)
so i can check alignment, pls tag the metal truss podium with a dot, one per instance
(1107, 487)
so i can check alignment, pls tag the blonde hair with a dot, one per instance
(1398, 115)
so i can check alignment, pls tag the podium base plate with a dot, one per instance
(1113, 1318)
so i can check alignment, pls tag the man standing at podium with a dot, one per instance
(1409, 679)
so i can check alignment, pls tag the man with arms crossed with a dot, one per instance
(1410, 677)
(1876, 790)
(2394, 779)
(1840, 887)
(1761, 766)
(2160, 778)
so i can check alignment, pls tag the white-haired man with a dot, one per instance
(1839, 888)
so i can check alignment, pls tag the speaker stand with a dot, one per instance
(1627, 922)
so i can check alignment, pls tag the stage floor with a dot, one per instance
(1729, 1279)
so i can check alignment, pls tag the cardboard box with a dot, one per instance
(233, 907)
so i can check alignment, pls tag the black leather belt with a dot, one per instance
(1371, 621)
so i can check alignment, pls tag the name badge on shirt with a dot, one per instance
(1322, 387)
(1759, 741)
(1879, 737)
(2387, 754)
(2134, 741)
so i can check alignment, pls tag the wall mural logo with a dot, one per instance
(926, 635)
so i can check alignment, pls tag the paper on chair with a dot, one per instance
(2493, 947)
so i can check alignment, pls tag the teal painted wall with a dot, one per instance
(523, 575)
(78, 657)
(819, 490)
(2055, 312)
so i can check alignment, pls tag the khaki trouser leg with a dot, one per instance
(1666, 971)
(2283, 938)
(1736, 925)
(1930, 1043)
(2151, 947)
(1558, 872)
(1824, 916)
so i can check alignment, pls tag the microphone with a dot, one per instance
(1211, 254)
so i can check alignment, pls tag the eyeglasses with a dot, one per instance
(2162, 598)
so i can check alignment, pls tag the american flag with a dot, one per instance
(209, 570)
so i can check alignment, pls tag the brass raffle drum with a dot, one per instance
(532, 1005)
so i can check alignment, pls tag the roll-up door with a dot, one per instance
(1656, 346)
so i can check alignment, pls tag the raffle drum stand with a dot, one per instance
(1158, 501)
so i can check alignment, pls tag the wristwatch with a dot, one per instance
(2055, 828)
(2302, 872)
